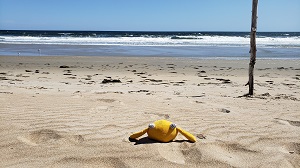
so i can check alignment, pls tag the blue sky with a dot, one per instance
(148, 15)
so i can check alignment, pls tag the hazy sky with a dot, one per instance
(148, 15)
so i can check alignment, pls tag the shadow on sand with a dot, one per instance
(146, 140)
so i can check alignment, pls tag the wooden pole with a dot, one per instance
(253, 46)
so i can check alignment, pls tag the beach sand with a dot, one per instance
(61, 112)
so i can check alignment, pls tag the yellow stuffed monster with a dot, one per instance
(163, 131)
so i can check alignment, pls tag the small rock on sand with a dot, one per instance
(223, 110)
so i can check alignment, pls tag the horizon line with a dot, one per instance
(137, 30)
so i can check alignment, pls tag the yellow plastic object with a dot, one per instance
(188, 135)
(138, 134)
(163, 131)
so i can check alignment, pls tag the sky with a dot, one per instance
(148, 15)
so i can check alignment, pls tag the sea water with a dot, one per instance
(214, 45)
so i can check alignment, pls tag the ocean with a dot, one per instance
(208, 45)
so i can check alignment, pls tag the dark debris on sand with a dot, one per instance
(64, 66)
(111, 81)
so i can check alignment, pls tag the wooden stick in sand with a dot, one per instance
(253, 46)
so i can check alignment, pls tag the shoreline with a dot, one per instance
(217, 60)
(244, 58)
(206, 52)
(58, 112)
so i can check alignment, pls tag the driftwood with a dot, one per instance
(253, 46)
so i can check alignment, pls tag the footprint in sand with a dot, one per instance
(288, 122)
(171, 152)
(228, 154)
(106, 100)
(293, 148)
(47, 137)
(180, 153)
(90, 161)
(191, 153)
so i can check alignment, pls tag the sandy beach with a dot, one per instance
(80, 111)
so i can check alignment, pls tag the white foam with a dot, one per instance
(155, 41)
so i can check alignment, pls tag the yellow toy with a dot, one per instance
(163, 131)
